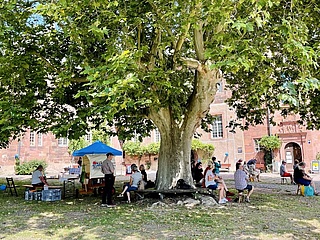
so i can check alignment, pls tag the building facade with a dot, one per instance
(297, 142)
(36, 146)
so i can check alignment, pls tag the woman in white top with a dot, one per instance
(212, 182)
(37, 177)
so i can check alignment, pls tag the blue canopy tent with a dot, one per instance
(96, 148)
(93, 156)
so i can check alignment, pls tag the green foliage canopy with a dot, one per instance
(66, 64)
(270, 142)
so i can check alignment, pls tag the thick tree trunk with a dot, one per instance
(174, 159)
(176, 136)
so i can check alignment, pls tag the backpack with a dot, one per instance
(181, 184)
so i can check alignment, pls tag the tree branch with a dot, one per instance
(191, 63)
(198, 41)
(154, 49)
(164, 24)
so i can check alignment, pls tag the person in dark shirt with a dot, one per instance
(198, 173)
(300, 177)
(144, 173)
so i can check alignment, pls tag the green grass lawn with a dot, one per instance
(270, 215)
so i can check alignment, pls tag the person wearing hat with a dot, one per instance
(283, 171)
(107, 169)
(135, 179)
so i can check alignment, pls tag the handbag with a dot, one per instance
(307, 191)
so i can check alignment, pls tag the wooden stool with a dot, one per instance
(299, 190)
(284, 180)
(241, 196)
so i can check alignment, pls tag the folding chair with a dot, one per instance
(11, 185)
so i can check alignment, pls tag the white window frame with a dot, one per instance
(217, 127)
(63, 142)
(257, 147)
(88, 137)
(40, 138)
(157, 137)
(32, 139)
(219, 87)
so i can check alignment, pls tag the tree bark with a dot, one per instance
(176, 137)
(174, 159)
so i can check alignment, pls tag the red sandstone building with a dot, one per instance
(35, 146)
(297, 142)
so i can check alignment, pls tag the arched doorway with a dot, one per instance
(292, 151)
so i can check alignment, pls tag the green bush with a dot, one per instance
(27, 168)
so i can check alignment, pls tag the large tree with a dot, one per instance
(67, 66)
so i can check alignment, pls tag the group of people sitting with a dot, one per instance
(137, 178)
(210, 178)
(299, 175)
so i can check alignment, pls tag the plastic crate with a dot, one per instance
(74, 171)
(51, 195)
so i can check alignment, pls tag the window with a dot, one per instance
(257, 147)
(157, 135)
(62, 142)
(32, 139)
(88, 137)
(217, 131)
(39, 139)
(219, 87)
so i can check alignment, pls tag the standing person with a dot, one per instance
(107, 169)
(217, 166)
(295, 164)
(38, 179)
(283, 171)
(240, 180)
(253, 172)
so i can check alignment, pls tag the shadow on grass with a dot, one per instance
(270, 215)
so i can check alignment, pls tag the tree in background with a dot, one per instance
(70, 66)
(269, 144)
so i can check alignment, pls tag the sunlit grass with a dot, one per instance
(270, 215)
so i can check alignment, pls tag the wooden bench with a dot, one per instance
(40, 187)
(162, 193)
(226, 166)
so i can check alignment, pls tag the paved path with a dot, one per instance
(268, 180)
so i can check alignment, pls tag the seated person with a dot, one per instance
(38, 179)
(300, 177)
(135, 179)
(144, 174)
(198, 174)
(240, 180)
(210, 182)
(283, 171)
(253, 172)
